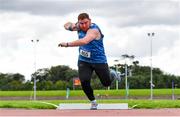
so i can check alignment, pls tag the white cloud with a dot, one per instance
(17, 50)
(124, 25)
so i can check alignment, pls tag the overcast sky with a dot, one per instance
(125, 24)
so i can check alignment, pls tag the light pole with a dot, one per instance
(173, 97)
(35, 42)
(125, 56)
(116, 66)
(151, 35)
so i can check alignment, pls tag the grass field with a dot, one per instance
(121, 92)
(136, 103)
(132, 92)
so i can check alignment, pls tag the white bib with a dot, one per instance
(85, 53)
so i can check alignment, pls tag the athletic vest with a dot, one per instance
(93, 52)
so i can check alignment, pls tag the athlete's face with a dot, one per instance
(84, 24)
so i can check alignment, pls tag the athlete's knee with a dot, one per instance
(107, 83)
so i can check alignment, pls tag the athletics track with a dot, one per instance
(85, 113)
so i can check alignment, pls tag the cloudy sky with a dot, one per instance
(125, 24)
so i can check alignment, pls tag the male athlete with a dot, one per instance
(91, 54)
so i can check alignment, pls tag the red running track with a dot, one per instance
(130, 112)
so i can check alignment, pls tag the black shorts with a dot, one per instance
(86, 69)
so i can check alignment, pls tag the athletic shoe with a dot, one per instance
(93, 106)
(114, 75)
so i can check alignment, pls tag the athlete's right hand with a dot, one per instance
(63, 44)
(71, 26)
(68, 26)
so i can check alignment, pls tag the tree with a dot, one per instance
(60, 85)
(11, 81)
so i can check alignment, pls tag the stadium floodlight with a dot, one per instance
(151, 35)
(35, 43)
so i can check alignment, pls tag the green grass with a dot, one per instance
(132, 92)
(121, 92)
(148, 104)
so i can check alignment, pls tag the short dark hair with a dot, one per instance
(83, 16)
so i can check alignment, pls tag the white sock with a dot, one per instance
(94, 101)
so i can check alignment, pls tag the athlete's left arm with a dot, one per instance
(90, 35)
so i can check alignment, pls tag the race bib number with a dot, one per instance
(85, 53)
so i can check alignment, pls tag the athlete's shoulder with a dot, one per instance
(93, 25)
(96, 27)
